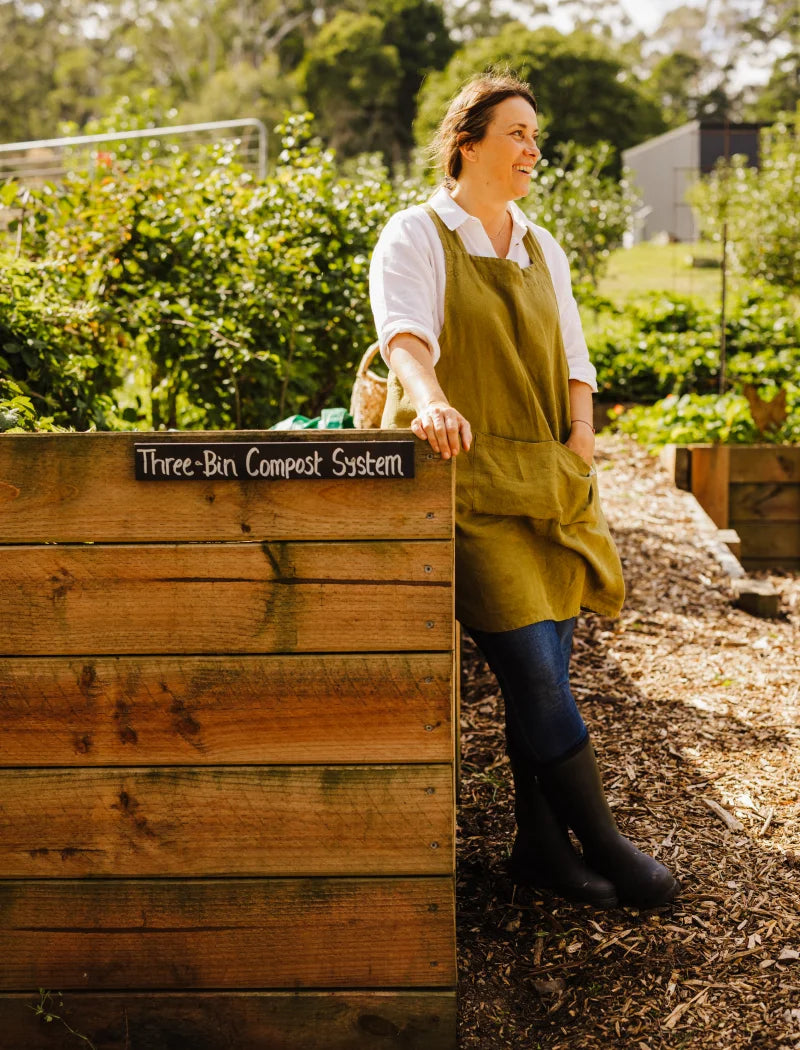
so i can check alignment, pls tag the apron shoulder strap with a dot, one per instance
(533, 248)
(449, 238)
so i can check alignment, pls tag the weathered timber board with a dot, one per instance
(239, 820)
(765, 502)
(182, 710)
(79, 487)
(765, 564)
(215, 933)
(227, 597)
(709, 481)
(764, 463)
(773, 540)
(353, 1020)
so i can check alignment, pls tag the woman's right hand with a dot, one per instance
(444, 428)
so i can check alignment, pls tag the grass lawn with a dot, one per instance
(668, 268)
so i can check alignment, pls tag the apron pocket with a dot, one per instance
(531, 479)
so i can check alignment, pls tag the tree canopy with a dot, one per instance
(360, 63)
(584, 93)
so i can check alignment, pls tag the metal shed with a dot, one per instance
(663, 168)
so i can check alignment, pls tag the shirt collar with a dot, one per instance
(453, 215)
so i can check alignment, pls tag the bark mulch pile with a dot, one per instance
(694, 711)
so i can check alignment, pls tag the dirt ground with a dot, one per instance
(694, 710)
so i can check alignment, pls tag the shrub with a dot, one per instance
(55, 352)
(660, 345)
(723, 419)
(237, 302)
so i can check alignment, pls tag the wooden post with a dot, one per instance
(710, 472)
(227, 741)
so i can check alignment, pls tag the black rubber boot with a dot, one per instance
(575, 790)
(543, 855)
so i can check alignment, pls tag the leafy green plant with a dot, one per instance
(18, 413)
(758, 207)
(235, 303)
(585, 209)
(54, 347)
(711, 418)
(45, 1009)
(660, 345)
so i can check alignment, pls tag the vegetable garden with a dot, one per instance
(140, 296)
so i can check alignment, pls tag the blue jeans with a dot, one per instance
(531, 665)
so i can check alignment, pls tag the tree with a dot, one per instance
(584, 92)
(362, 72)
(675, 85)
(351, 79)
(781, 93)
(470, 19)
(776, 27)
(587, 212)
(760, 207)
(44, 75)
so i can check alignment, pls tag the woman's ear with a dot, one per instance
(468, 151)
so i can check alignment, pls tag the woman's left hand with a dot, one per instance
(581, 440)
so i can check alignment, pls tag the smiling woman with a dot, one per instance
(477, 322)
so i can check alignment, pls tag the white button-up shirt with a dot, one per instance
(407, 276)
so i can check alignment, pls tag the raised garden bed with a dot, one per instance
(751, 489)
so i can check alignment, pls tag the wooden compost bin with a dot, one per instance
(753, 489)
(226, 743)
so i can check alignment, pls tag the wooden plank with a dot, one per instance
(232, 597)
(770, 501)
(765, 463)
(709, 481)
(770, 540)
(179, 710)
(218, 934)
(766, 564)
(78, 487)
(240, 820)
(676, 460)
(352, 1020)
(730, 537)
(758, 597)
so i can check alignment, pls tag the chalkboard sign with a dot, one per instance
(273, 460)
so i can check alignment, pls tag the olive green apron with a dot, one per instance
(531, 540)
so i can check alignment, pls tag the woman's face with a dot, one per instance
(504, 159)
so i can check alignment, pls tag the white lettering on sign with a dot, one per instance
(247, 461)
(167, 466)
(366, 465)
(216, 466)
(282, 467)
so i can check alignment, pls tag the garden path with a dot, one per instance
(695, 714)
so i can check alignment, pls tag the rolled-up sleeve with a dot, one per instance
(402, 283)
(577, 353)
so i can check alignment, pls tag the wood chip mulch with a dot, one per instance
(694, 710)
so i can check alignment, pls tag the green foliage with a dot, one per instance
(661, 345)
(759, 206)
(362, 71)
(724, 419)
(351, 78)
(54, 353)
(580, 84)
(674, 83)
(45, 1010)
(230, 303)
(18, 413)
(586, 211)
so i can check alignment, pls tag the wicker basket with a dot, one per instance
(369, 393)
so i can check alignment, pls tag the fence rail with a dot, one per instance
(45, 158)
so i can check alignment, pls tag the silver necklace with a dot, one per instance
(493, 237)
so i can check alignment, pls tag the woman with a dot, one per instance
(480, 330)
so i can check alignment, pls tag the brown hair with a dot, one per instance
(469, 114)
